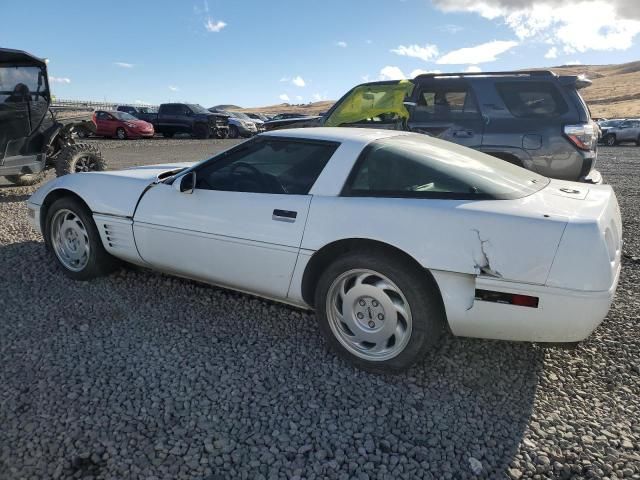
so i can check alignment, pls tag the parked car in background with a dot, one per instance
(392, 237)
(190, 118)
(243, 116)
(536, 119)
(121, 125)
(148, 114)
(609, 123)
(622, 131)
(258, 116)
(238, 127)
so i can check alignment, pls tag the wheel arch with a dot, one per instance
(323, 257)
(52, 197)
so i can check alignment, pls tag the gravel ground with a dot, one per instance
(140, 375)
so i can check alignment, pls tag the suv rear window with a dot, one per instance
(416, 166)
(532, 99)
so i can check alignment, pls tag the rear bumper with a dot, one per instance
(562, 315)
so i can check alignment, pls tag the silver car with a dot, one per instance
(627, 131)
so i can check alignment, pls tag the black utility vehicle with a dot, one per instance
(189, 118)
(32, 137)
(535, 119)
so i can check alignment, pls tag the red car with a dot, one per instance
(121, 125)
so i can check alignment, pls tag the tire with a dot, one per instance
(222, 133)
(168, 134)
(201, 131)
(121, 133)
(80, 157)
(71, 235)
(375, 313)
(26, 179)
(233, 132)
(610, 140)
(83, 133)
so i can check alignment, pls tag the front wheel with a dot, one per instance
(201, 131)
(380, 312)
(80, 157)
(71, 234)
(610, 140)
(233, 131)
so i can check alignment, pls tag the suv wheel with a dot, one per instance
(610, 140)
(26, 179)
(71, 234)
(379, 312)
(233, 131)
(80, 157)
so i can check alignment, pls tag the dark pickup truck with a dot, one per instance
(189, 118)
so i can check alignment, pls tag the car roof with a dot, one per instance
(336, 134)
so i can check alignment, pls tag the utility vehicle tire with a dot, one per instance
(233, 131)
(610, 140)
(121, 133)
(71, 234)
(379, 311)
(80, 157)
(26, 179)
(201, 131)
(168, 134)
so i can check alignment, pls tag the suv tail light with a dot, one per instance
(582, 135)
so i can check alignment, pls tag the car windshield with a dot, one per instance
(124, 116)
(611, 123)
(419, 166)
(197, 108)
(240, 115)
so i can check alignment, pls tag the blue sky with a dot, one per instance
(254, 53)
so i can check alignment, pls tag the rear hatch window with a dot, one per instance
(532, 99)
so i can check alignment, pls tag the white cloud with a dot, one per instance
(576, 26)
(551, 53)
(298, 81)
(341, 44)
(391, 73)
(141, 102)
(483, 53)
(284, 79)
(284, 97)
(123, 64)
(473, 69)
(365, 78)
(212, 26)
(299, 98)
(419, 71)
(173, 88)
(318, 97)
(451, 28)
(573, 62)
(59, 79)
(425, 53)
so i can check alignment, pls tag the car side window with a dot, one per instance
(532, 99)
(278, 166)
(103, 116)
(445, 103)
(170, 109)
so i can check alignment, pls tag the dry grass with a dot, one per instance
(615, 92)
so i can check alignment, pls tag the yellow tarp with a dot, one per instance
(368, 101)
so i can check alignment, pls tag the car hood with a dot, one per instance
(114, 192)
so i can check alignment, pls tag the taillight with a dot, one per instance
(582, 135)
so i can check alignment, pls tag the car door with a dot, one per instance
(627, 132)
(102, 124)
(242, 225)
(447, 108)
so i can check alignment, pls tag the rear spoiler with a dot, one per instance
(577, 81)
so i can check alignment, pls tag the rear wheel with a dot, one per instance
(233, 131)
(121, 133)
(80, 157)
(610, 140)
(201, 131)
(26, 179)
(71, 234)
(380, 312)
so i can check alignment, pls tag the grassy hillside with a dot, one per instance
(615, 92)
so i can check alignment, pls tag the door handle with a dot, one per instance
(284, 215)
(463, 133)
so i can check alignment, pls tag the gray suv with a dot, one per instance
(625, 131)
(535, 119)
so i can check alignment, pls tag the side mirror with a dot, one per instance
(186, 183)
(409, 105)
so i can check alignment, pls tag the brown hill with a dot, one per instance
(615, 92)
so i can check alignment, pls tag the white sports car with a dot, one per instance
(390, 236)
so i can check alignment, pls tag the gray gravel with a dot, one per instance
(140, 375)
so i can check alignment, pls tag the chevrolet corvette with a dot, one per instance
(391, 237)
